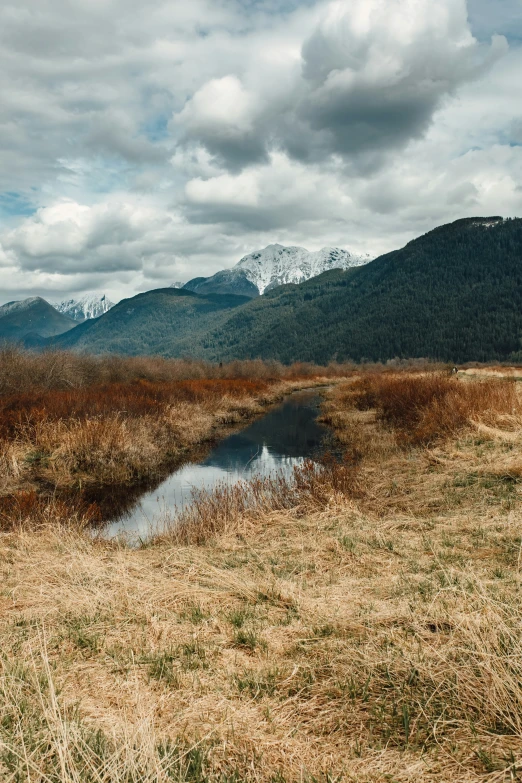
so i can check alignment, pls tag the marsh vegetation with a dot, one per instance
(359, 621)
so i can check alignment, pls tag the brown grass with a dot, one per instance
(424, 408)
(67, 421)
(362, 623)
(121, 432)
(311, 488)
(116, 435)
(63, 370)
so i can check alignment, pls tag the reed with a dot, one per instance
(228, 508)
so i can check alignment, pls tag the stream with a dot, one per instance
(274, 443)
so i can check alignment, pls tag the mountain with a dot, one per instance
(276, 265)
(454, 294)
(228, 281)
(166, 321)
(32, 319)
(86, 307)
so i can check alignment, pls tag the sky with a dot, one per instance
(147, 143)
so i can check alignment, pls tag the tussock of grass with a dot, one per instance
(424, 408)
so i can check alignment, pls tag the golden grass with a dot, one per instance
(373, 636)
(67, 420)
(119, 446)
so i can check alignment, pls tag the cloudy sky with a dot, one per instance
(144, 143)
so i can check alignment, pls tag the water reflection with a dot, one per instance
(276, 442)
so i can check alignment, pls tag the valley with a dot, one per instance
(198, 587)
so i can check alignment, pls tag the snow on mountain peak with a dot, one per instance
(86, 307)
(277, 264)
(24, 304)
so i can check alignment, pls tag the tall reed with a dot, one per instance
(225, 508)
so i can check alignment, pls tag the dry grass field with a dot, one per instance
(361, 623)
(69, 421)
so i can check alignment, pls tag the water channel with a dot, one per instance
(273, 443)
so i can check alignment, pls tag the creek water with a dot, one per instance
(272, 444)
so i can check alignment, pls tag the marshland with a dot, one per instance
(358, 619)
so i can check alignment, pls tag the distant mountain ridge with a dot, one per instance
(454, 294)
(162, 316)
(86, 307)
(32, 320)
(276, 265)
(18, 306)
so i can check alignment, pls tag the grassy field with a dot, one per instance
(361, 623)
(68, 422)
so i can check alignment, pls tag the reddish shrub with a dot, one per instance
(138, 398)
(32, 510)
(423, 408)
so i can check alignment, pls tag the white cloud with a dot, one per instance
(372, 75)
(159, 142)
(220, 103)
(68, 235)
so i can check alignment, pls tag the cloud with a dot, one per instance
(377, 70)
(283, 194)
(112, 132)
(67, 237)
(222, 115)
(373, 73)
(146, 144)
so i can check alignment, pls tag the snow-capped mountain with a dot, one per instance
(86, 307)
(31, 320)
(275, 265)
(15, 307)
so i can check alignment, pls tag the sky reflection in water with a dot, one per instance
(274, 443)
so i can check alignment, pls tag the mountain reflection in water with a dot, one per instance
(274, 443)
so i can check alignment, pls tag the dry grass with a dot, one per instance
(63, 370)
(424, 408)
(119, 445)
(368, 631)
(311, 488)
(84, 420)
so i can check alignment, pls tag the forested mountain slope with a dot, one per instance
(454, 294)
(150, 322)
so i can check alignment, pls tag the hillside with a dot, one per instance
(31, 319)
(228, 281)
(454, 294)
(166, 321)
